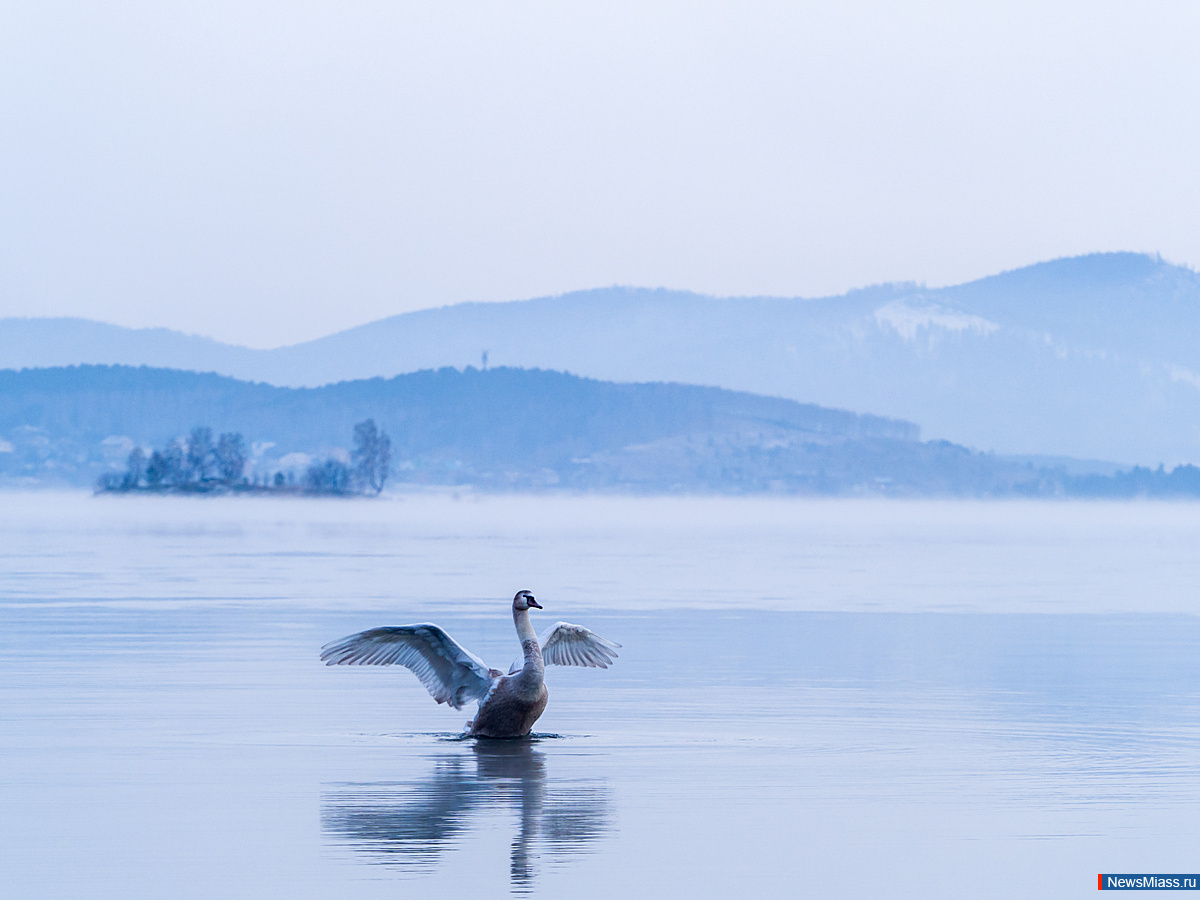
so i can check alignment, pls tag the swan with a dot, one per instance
(508, 704)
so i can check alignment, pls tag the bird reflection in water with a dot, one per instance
(409, 824)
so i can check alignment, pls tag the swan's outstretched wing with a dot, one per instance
(564, 644)
(449, 672)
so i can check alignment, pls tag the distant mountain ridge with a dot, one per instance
(1095, 356)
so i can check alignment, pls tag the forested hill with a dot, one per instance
(498, 429)
(501, 411)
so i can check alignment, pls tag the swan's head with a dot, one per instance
(524, 600)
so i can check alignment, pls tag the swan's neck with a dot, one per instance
(534, 667)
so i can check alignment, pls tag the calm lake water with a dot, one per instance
(813, 699)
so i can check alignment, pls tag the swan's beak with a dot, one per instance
(533, 603)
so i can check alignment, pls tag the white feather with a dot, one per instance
(449, 672)
(564, 644)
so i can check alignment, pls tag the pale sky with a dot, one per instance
(265, 173)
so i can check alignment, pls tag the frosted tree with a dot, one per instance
(230, 456)
(135, 470)
(201, 454)
(372, 455)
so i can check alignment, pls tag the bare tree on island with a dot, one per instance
(156, 470)
(372, 455)
(165, 468)
(231, 457)
(200, 454)
(135, 470)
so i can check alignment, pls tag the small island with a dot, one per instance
(198, 464)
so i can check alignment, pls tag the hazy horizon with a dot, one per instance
(266, 174)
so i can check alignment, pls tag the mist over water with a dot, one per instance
(813, 698)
